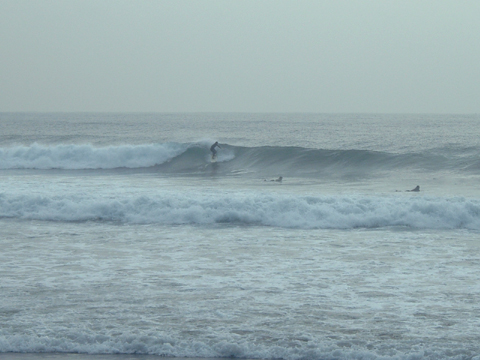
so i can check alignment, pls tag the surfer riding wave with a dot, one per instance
(213, 150)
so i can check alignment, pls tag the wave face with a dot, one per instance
(287, 211)
(192, 158)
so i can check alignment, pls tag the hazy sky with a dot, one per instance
(242, 56)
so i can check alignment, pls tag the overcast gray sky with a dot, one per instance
(412, 56)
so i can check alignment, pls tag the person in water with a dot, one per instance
(213, 150)
(416, 189)
(277, 180)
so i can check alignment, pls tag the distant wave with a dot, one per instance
(172, 158)
(302, 212)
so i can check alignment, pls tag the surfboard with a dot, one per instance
(214, 159)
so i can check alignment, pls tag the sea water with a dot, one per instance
(119, 236)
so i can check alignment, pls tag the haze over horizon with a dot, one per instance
(240, 56)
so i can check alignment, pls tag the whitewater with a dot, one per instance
(120, 236)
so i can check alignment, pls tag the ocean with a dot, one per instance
(120, 239)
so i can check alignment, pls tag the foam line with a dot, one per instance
(334, 212)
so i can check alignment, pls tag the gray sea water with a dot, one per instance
(120, 236)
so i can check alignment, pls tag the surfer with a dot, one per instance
(213, 150)
(277, 180)
(417, 189)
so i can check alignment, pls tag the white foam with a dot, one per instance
(225, 155)
(289, 211)
(39, 156)
(222, 347)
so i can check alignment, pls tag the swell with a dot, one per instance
(194, 158)
(316, 162)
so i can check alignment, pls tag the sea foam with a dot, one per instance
(38, 156)
(221, 347)
(242, 208)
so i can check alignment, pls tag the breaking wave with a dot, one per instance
(192, 158)
(80, 157)
(221, 346)
(276, 210)
(178, 158)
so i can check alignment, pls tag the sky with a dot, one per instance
(335, 56)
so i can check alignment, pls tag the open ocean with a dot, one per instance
(119, 236)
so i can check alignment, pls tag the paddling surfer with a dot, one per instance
(417, 189)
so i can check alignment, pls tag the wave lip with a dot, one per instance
(287, 211)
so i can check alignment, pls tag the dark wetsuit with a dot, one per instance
(213, 150)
